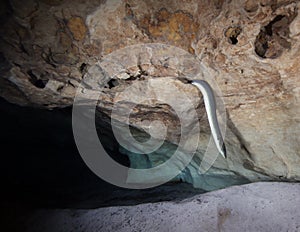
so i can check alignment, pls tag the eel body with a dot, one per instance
(210, 106)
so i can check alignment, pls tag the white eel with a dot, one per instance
(210, 106)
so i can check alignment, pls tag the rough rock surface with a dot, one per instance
(250, 48)
(253, 207)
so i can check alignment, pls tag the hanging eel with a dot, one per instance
(210, 106)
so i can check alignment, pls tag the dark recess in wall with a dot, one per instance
(41, 167)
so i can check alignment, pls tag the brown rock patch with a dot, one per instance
(77, 27)
(179, 28)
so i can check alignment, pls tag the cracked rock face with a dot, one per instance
(250, 49)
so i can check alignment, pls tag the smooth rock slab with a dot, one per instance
(252, 207)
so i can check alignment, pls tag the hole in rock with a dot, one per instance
(60, 88)
(83, 67)
(273, 38)
(36, 81)
(232, 34)
(112, 83)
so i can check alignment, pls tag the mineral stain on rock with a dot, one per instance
(223, 214)
(77, 27)
(178, 28)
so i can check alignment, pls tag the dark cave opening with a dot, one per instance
(41, 167)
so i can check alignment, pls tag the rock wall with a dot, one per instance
(250, 48)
